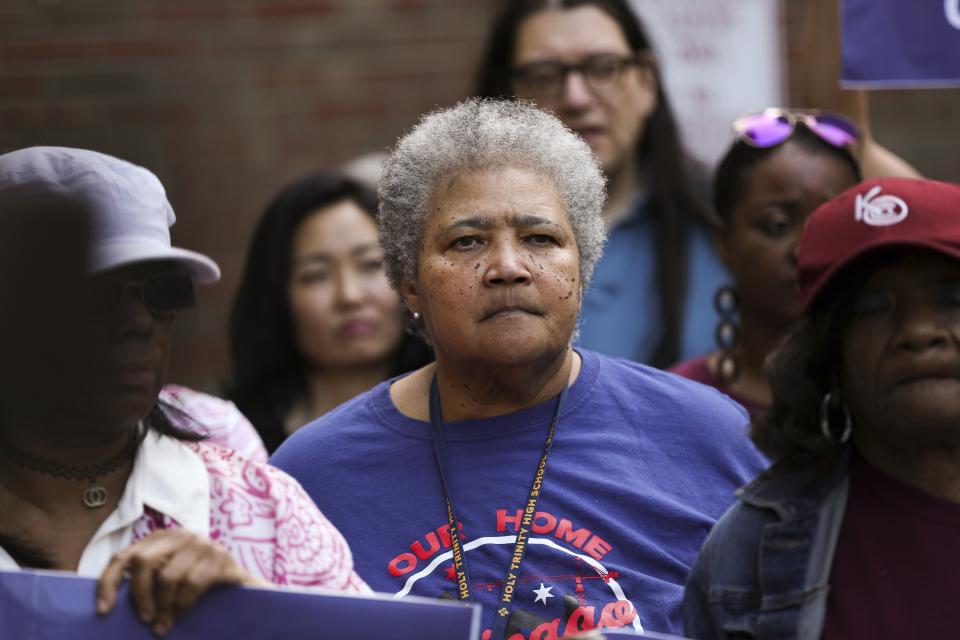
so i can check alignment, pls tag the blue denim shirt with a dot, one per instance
(621, 309)
(763, 571)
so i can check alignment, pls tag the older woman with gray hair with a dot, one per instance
(561, 489)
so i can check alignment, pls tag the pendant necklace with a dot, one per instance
(95, 495)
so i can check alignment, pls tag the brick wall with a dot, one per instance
(227, 99)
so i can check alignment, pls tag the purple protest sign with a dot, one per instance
(900, 43)
(626, 634)
(48, 606)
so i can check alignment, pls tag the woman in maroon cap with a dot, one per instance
(851, 532)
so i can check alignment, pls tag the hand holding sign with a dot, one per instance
(169, 571)
(52, 606)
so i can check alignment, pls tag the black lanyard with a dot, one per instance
(505, 602)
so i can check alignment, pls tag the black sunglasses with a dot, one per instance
(160, 293)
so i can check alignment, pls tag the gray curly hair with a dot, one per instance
(480, 133)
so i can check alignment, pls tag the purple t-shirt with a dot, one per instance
(896, 570)
(643, 464)
(697, 369)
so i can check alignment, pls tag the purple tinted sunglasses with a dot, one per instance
(771, 127)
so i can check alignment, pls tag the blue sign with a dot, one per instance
(626, 634)
(900, 43)
(51, 606)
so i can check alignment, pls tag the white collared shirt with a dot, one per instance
(170, 478)
(259, 514)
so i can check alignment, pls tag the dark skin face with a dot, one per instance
(901, 358)
(106, 365)
(499, 271)
(128, 352)
(498, 290)
(760, 241)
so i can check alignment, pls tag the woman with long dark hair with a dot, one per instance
(315, 321)
(591, 63)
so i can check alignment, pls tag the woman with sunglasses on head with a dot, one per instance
(851, 533)
(782, 166)
(315, 321)
(590, 63)
(96, 476)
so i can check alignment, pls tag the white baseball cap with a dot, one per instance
(130, 214)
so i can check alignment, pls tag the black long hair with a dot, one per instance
(805, 366)
(268, 373)
(677, 186)
(801, 371)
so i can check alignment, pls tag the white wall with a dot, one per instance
(720, 58)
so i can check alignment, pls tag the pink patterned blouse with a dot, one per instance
(261, 515)
(220, 419)
(267, 522)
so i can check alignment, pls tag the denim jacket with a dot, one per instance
(763, 571)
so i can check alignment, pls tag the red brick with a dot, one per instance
(227, 100)
(77, 50)
(295, 10)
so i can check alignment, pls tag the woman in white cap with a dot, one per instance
(852, 533)
(99, 479)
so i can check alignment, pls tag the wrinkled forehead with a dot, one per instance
(490, 190)
(910, 265)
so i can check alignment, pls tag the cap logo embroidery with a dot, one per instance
(881, 211)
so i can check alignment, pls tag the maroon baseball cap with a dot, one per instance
(876, 214)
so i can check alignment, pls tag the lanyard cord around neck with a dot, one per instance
(505, 602)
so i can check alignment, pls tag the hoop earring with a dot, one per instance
(727, 333)
(829, 433)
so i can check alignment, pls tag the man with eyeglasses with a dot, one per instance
(590, 63)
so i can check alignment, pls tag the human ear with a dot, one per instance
(720, 237)
(410, 295)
